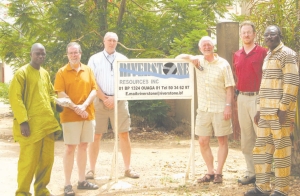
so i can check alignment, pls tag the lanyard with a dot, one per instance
(111, 63)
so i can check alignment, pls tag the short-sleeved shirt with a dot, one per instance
(102, 66)
(248, 68)
(212, 83)
(78, 86)
(280, 81)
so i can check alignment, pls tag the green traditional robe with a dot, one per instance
(31, 97)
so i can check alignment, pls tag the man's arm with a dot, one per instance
(16, 99)
(194, 59)
(228, 108)
(290, 84)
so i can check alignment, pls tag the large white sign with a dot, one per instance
(146, 79)
(141, 79)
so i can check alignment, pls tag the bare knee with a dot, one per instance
(124, 136)
(83, 146)
(97, 137)
(70, 149)
(223, 141)
(204, 141)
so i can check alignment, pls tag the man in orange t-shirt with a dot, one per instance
(76, 83)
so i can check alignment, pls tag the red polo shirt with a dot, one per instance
(248, 68)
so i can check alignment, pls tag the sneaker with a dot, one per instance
(256, 192)
(87, 185)
(68, 191)
(247, 180)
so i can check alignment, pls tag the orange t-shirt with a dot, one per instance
(78, 86)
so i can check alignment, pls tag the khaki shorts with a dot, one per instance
(103, 115)
(208, 123)
(78, 132)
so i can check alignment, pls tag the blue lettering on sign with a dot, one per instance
(155, 69)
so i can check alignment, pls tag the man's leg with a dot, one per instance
(44, 167)
(262, 156)
(282, 155)
(93, 151)
(27, 164)
(222, 153)
(206, 153)
(68, 161)
(81, 161)
(125, 146)
(246, 113)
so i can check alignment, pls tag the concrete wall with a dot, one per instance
(6, 73)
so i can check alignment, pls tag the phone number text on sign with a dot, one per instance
(153, 80)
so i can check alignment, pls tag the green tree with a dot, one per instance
(146, 28)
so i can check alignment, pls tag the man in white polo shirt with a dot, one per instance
(102, 66)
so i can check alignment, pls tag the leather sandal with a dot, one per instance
(218, 178)
(90, 175)
(131, 174)
(206, 178)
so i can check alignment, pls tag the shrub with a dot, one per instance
(153, 111)
(4, 92)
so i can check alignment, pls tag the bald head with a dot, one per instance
(37, 46)
(37, 54)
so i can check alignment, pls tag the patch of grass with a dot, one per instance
(168, 179)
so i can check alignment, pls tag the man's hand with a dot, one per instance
(80, 110)
(195, 60)
(227, 112)
(109, 102)
(25, 130)
(257, 117)
(282, 116)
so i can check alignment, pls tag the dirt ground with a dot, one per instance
(160, 158)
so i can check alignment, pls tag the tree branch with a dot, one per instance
(100, 36)
(12, 26)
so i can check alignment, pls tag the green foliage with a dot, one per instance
(153, 111)
(146, 29)
(282, 13)
(4, 92)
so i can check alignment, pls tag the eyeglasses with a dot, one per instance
(73, 53)
(270, 34)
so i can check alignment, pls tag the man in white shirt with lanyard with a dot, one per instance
(102, 66)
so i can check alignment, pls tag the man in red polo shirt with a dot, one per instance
(248, 63)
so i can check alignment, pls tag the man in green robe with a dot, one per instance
(31, 97)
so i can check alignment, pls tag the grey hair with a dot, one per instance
(75, 44)
(112, 35)
(206, 38)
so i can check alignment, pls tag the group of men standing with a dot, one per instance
(88, 91)
(266, 92)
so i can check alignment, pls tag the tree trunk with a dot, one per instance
(102, 9)
(120, 18)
